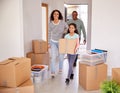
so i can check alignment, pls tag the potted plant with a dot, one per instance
(110, 86)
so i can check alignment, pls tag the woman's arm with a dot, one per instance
(49, 32)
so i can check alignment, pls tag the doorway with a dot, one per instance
(84, 13)
(44, 22)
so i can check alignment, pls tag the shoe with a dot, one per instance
(74, 65)
(53, 75)
(67, 81)
(71, 76)
(60, 71)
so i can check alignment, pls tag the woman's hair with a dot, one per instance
(73, 24)
(60, 15)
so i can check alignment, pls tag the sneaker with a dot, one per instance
(74, 65)
(71, 76)
(67, 81)
(60, 71)
(53, 75)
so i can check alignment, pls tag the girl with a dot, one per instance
(72, 34)
(56, 29)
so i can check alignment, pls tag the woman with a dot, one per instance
(57, 28)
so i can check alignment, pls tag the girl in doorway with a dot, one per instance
(72, 34)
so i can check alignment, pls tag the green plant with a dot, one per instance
(110, 86)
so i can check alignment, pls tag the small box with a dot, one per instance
(67, 46)
(40, 76)
(39, 46)
(116, 74)
(90, 77)
(14, 71)
(26, 87)
(91, 58)
(43, 58)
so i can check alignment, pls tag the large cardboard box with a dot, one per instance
(26, 87)
(39, 58)
(14, 71)
(67, 46)
(116, 74)
(90, 77)
(39, 46)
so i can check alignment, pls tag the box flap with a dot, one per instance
(5, 62)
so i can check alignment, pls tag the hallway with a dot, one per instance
(58, 85)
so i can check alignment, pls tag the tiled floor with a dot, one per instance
(57, 85)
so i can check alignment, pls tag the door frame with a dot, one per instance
(46, 6)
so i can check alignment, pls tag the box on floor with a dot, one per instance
(26, 87)
(90, 77)
(116, 74)
(39, 46)
(14, 71)
(39, 58)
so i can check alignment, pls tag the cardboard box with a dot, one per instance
(90, 77)
(26, 87)
(39, 58)
(67, 46)
(116, 74)
(14, 71)
(39, 46)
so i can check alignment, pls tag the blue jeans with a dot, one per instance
(54, 54)
(71, 60)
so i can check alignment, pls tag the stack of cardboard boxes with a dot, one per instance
(90, 77)
(15, 74)
(39, 54)
(92, 71)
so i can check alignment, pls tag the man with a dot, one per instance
(80, 27)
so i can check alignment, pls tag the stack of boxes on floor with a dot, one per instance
(92, 70)
(39, 54)
(15, 74)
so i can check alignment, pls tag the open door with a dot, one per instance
(44, 22)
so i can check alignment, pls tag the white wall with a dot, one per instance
(76, 1)
(32, 22)
(106, 29)
(11, 29)
(20, 23)
(53, 4)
